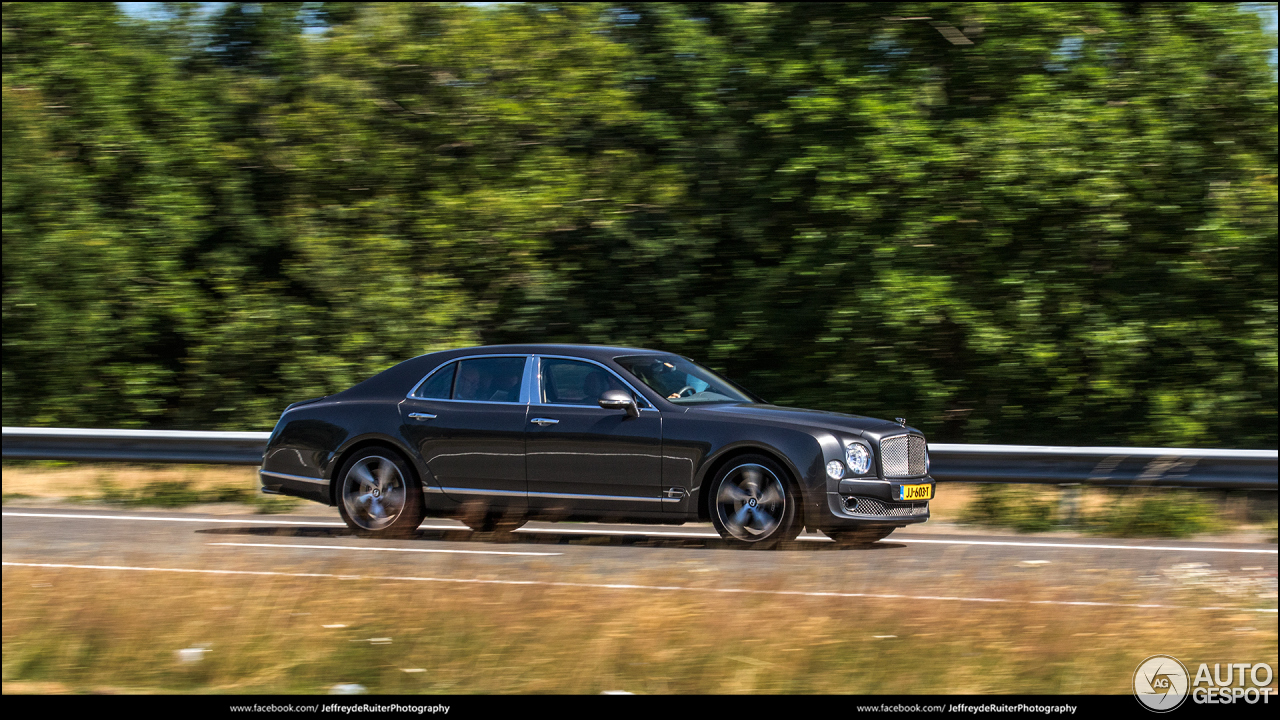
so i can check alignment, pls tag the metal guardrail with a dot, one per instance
(151, 446)
(1103, 466)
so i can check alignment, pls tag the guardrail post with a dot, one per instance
(1069, 504)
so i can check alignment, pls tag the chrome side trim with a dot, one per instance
(563, 496)
(286, 476)
(575, 496)
(472, 491)
(642, 402)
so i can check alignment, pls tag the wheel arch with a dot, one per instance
(717, 463)
(340, 459)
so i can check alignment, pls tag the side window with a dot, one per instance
(569, 382)
(495, 379)
(439, 385)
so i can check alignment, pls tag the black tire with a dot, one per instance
(753, 503)
(378, 494)
(860, 536)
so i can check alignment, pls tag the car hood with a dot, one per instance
(861, 425)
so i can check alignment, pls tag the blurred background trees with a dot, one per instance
(1026, 222)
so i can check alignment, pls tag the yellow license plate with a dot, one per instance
(917, 492)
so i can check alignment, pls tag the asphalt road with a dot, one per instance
(952, 569)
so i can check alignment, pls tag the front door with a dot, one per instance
(581, 457)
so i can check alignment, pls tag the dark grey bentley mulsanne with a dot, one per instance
(498, 435)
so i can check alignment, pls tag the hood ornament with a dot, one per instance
(901, 421)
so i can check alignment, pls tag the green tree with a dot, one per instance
(1027, 222)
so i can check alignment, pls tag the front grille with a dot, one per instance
(904, 456)
(872, 506)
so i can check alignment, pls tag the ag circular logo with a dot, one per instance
(1161, 683)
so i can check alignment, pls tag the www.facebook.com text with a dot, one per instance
(337, 707)
(975, 709)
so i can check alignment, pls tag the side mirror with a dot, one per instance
(619, 400)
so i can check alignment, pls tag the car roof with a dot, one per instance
(594, 352)
(397, 380)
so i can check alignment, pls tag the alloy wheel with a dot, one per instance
(374, 492)
(751, 503)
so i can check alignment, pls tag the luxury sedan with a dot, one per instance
(495, 436)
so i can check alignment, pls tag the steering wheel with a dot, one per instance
(681, 392)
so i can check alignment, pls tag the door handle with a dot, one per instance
(544, 421)
(422, 416)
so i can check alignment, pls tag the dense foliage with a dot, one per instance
(1024, 222)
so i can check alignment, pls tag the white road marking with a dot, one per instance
(383, 549)
(621, 586)
(1085, 546)
(654, 533)
(239, 521)
(589, 531)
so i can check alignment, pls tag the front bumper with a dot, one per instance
(858, 503)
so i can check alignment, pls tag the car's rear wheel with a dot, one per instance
(860, 536)
(753, 503)
(378, 495)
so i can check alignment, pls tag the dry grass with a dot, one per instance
(140, 485)
(66, 480)
(69, 630)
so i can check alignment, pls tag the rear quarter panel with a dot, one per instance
(311, 439)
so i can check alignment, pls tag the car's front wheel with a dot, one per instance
(378, 495)
(753, 503)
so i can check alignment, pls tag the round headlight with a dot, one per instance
(859, 458)
(835, 469)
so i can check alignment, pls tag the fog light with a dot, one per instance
(835, 469)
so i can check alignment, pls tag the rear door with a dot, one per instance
(582, 457)
(467, 420)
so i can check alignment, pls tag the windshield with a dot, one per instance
(681, 381)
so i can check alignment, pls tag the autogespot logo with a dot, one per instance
(1160, 683)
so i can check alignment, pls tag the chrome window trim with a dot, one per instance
(287, 476)
(541, 402)
(524, 381)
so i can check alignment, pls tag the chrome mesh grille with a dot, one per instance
(872, 506)
(904, 456)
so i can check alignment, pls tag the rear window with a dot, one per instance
(495, 379)
(440, 385)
